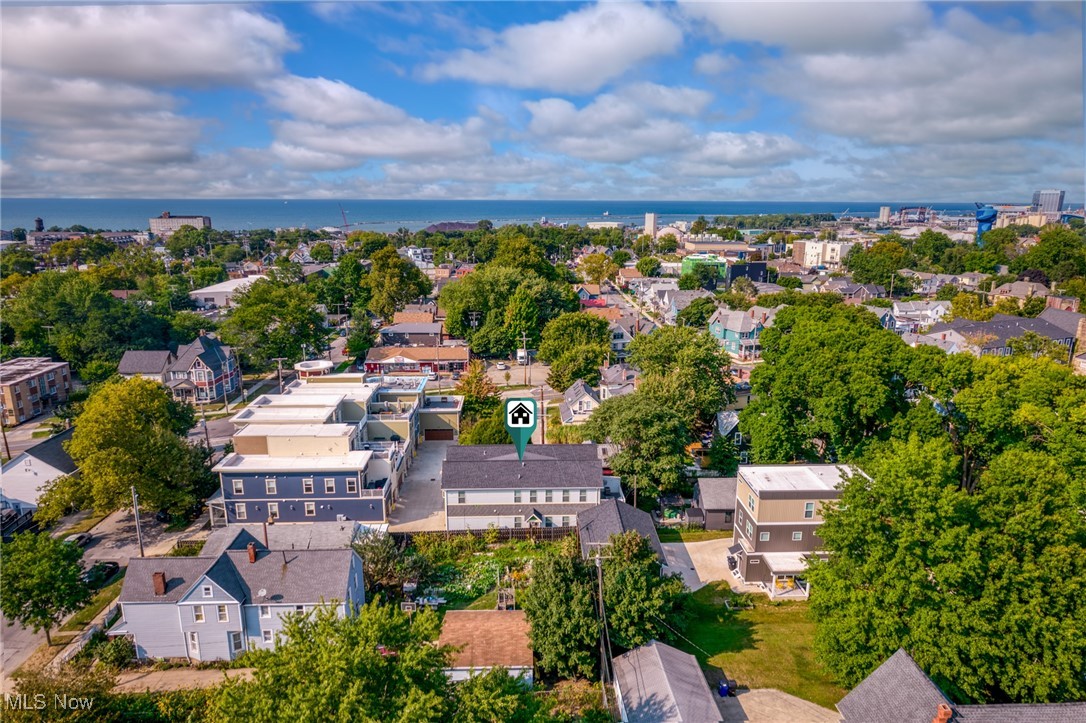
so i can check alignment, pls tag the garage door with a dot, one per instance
(435, 435)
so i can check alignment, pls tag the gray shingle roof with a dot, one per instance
(495, 466)
(612, 517)
(1066, 320)
(409, 327)
(717, 493)
(52, 452)
(618, 374)
(1002, 329)
(144, 362)
(181, 574)
(207, 349)
(579, 389)
(1021, 713)
(661, 683)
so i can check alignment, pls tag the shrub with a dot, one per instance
(117, 653)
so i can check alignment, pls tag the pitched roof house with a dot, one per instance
(657, 682)
(488, 639)
(992, 337)
(147, 364)
(27, 474)
(204, 370)
(578, 403)
(612, 517)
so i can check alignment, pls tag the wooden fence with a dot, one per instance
(501, 534)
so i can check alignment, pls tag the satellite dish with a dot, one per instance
(262, 592)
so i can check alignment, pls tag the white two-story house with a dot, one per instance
(486, 485)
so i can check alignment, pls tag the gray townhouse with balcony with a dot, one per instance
(215, 608)
(487, 486)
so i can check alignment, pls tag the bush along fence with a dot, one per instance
(85, 637)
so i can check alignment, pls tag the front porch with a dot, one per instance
(786, 576)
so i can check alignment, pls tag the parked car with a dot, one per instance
(432, 376)
(82, 539)
(100, 573)
(456, 376)
(502, 366)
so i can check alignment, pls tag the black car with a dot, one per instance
(99, 573)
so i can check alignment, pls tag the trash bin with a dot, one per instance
(722, 689)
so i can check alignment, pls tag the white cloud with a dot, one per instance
(329, 101)
(168, 45)
(813, 25)
(576, 53)
(715, 63)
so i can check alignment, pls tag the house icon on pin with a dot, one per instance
(520, 416)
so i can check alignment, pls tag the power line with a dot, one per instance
(703, 650)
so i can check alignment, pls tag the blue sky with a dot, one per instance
(548, 100)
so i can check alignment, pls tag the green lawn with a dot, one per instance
(85, 525)
(668, 534)
(99, 602)
(770, 646)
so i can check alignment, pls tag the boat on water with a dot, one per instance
(606, 213)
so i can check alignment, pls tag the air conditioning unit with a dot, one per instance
(341, 518)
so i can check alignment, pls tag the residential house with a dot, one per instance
(587, 292)
(714, 502)
(617, 380)
(30, 386)
(1071, 322)
(203, 371)
(595, 527)
(656, 683)
(861, 293)
(778, 510)
(993, 337)
(738, 331)
(487, 485)
(675, 301)
(301, 255)
(413, 317)
(763, 287)
(423, 255)
(624, 329)
(487, 639)
(221, 295)
(970, 280)
(607, 313)
(928, 284)
(429, 306)
(412, 334)
(1063, 303)
(151, 365)
(627, 275)
(884, 314)
(899, 690)
(578, 403)
(216, 608)
(915, 316)
(29, 473)
(416, 359)
(1020, 291)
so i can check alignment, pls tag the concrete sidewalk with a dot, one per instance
(177, 679)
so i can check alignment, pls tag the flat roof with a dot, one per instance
(793, 477)
(785, 563)
(280, 415)
(228, 285)
(14, 370)
(235, 462)
(324, 399)
(296, 430)
(354, 392)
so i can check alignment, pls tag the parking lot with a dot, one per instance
(114, 538)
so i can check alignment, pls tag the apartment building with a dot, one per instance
(31, 385)
(487, 485)
(778, 510)
(829, 254)
(167, 224)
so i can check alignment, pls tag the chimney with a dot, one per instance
(251, 548)
(158, 579)
(943, 714)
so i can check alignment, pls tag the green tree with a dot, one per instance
(572, 330)
(581, 362)
(597, 268)
(561, 609)
(620, 257)
(969, 306)
(17, 260)
(642, 604)
(497, 697)
(185, 241)
(697, 312)
(488, 430)
(723, 456)
(522, 319)
(789, 282)
(361, 339)
(649, 266)
(274, 320)
(378, 665)
(689, 282)
(393, 282)
(481, 395)
(1060, 254)
(387, 565)
(132, 433)
(321, 253)
(39, 581)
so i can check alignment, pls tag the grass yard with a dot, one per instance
(770, 646)
(668, 534)
(98, 602)
(85, 525)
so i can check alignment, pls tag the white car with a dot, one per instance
(501, 366)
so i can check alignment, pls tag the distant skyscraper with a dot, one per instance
(1048, 202)
(650, 224)
(884, 214)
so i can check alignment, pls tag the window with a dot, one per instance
(565, 495)
(352, 486)
(584, 495)
(307, 485)
(516, 495)
(239, 487)
(224, 614)
(548, 496)
(533, 496)
(750, 529)
(797, 536)
(239, 510)
(750, 502)
(461, 498)
(763, 537)
(299, 608)
(197, 613)
(565, 521)
(270, 486)
(273, 510)
(207, 591)
(310, 509)
(235, 642)
(329, 485)
(267, 636)
(548, 522)
(265, 611)
(518, 522)
(808, 510)
(754, 561)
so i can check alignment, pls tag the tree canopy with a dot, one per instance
(272, 319)
(39, 581)
(560, 606)
(392, 283)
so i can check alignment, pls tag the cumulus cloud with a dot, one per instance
(171, 45)
(715, 63)
(961, 81)
(576, 53)
(813, 25)
(328, 101)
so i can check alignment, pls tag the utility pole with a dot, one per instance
(136, 512)
(203, 419)
(279, 365)
(4, 430)
(542, 415)
(605, 646)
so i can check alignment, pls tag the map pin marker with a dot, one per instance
(520, 420)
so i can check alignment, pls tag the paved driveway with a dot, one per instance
(420, 505)
(701, 563)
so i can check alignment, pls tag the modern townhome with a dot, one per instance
(202, 371)
(487, 486)
(778, 510)
(215, 608)
(31, 385)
